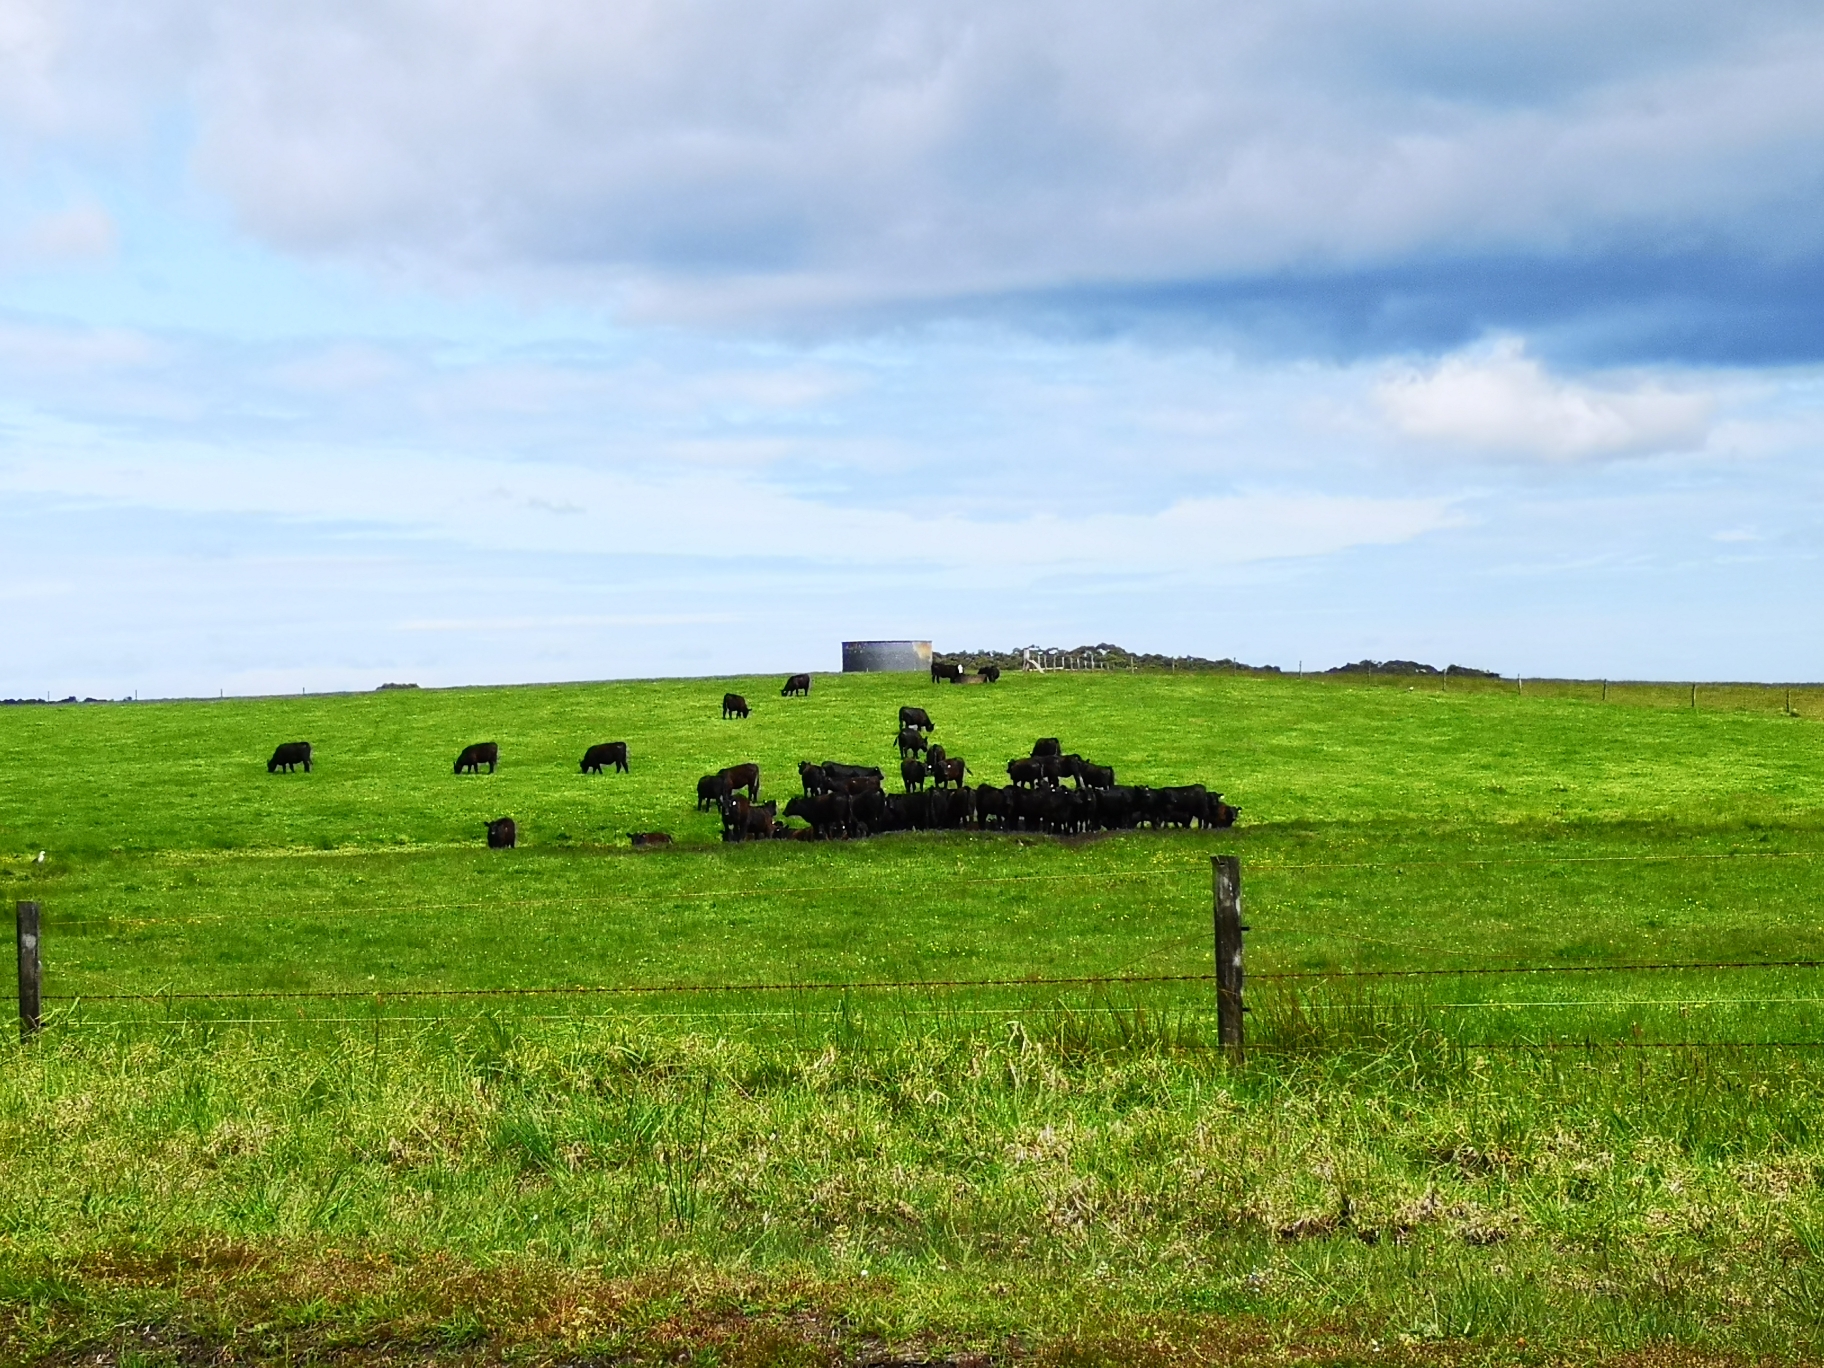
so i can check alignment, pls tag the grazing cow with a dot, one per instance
(951, 772)
(910, 741)
(991, 674)
(916, 717)
(502, 834)
(289, 754)
(646, 840)
(711, 789)
(912, 774)
(941, 670)
(733, 705)
(1025, 773)
(742, 777)
(475, 756)
(607, 753)
(1044, 746)
(797, 684)
(1222, 814)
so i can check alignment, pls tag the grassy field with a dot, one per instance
(1548, 1167)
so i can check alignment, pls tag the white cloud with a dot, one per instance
(1499, 401)
(718, 156)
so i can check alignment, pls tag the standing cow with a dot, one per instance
(916, 717)
(910, 742)
(912, 774)
(945, 671)
(503, 834)
(799, 684)
(733, 705)
(991, 674)
(607, 753)
(289, 754)
(742, 777)
(475, 756)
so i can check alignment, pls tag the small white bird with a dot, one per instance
(40, 859)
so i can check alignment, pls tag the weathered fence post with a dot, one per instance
(31, 971)
(1228, 952)
(1694, 698)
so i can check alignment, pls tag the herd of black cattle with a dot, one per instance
(842, 801)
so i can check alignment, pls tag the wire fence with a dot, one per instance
(1294, 978)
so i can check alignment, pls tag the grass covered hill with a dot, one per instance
(428, 1161)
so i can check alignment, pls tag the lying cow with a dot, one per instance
(646, 840)
(916, 717)
(475, 756)
(910, 741)
(289, 754)
(733, 705)
(912, 774)
(797, 684)
(502, 834)
(742, 777)
(607, 753)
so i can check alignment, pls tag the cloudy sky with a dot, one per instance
(488, 340)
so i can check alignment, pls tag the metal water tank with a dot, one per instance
(873, 657)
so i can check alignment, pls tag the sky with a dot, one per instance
(478, 341)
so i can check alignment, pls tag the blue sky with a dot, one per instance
(470, 342)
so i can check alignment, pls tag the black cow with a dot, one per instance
(828, 813)
(1092, 776)
(910, 741)
(989, 805)
(1025, 773)
(1046, 745)
(742, 777)
(797, 684)
(949, 772)
(289, 754)
(502, 834)
(941, 671)
(912, 774)
(991, 674)
(840, 772)
(733, 705)
(475, 756)
(607, 753)
(711, 789)
(916, 717)
(744, 820)
(812, 777)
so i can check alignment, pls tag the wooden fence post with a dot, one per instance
(31, 971)
(1228, 952)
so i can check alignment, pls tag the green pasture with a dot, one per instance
(1546, 1167)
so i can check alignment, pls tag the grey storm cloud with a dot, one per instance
(1625, 179)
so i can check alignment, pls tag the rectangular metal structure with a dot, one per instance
(886, 657)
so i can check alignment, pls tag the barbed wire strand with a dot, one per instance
(874, 985)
